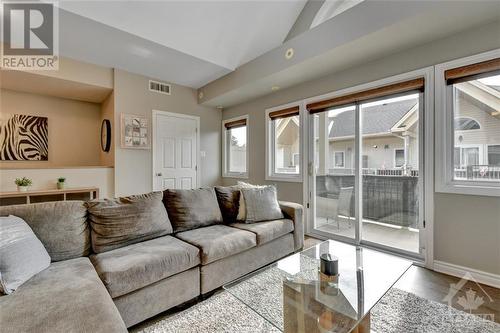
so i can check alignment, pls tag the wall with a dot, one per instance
(101, 177)
(475, 235)
(74, 128)
(133, 168)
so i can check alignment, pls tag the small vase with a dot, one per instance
(61, 186)
(22, 188)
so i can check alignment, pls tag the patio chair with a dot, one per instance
(343, 207)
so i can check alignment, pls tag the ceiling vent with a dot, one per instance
(159, 87)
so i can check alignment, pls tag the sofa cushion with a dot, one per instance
(242, 210)
(190, 209)
(267, 231)
(218, 241)
(22, 255)
(128, 220)
(261, 204)
(229, 201)
(135, 266)
(61, 226)
(66, 297)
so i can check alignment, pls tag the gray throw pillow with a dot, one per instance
(124, 221)
(191, 209)
(261, 204)
(22, 255)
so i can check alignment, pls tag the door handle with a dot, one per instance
(159, 174)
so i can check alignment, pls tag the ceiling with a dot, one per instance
(185, 42)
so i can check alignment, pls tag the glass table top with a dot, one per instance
(291, 296)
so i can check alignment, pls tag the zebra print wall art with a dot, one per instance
(23, 138)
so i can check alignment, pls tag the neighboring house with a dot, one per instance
(287, 144)
(477, 127)
(390, 137)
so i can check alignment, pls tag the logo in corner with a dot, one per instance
(468, 294)
(30, 36)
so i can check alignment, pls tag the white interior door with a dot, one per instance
(175, 151)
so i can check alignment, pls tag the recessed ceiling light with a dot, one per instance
(274, 88)
(200, 95)
(289, 53)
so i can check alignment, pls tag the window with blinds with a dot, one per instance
(474, 92)
(236, 147)
(284, 145)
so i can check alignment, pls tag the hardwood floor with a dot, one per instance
(435, 286)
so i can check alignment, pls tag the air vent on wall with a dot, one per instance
(159, 87)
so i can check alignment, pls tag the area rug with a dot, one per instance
(398, 312)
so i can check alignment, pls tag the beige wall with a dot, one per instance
(74, 128)
(101, 177)
(466, 227)
(133, 168)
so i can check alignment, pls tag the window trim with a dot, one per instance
(445, 182)
(270, 145)
(225, 172)
(468, 130)
(394, 157)
(487, 153)
(335, 158)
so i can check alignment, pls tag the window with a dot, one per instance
(494, 155)
(465, 124)
(283, 143)
(339, 159)
(365, 162)
(467, 101)
(399, 158)
(235, 141)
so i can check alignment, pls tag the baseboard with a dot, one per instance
(489, 279)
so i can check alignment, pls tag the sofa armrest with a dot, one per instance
(295, 212)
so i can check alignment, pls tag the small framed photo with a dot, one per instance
(134, 131)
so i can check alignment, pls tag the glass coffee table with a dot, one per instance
(290, 296)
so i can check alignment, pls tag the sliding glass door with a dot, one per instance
(365, 179)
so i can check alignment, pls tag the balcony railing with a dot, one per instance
(478, 172)
(376, 172)
(387, 199)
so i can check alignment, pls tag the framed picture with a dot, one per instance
(23, 137)
(134, 131)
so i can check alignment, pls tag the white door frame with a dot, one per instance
(153, 134)
(426, 161)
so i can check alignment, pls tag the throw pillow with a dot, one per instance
(191, 209)
(22, 255)
(124, 221)
(261, 204)
(229, 201)
(242, 213)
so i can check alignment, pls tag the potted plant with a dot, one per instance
(61, 183)
(23, 184)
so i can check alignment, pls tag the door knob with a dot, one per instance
(159, 174)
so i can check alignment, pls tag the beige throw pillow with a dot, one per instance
(242, 212)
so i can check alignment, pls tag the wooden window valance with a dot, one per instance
(284, 113)
(235, 123)
(391, 89)
(473, 71)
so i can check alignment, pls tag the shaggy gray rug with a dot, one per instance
(397, 312)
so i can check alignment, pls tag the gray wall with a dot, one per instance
(475, 241)
(133, 167)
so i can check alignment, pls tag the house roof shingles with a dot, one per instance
(376, 119)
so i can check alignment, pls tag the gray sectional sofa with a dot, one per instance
(108, 291)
